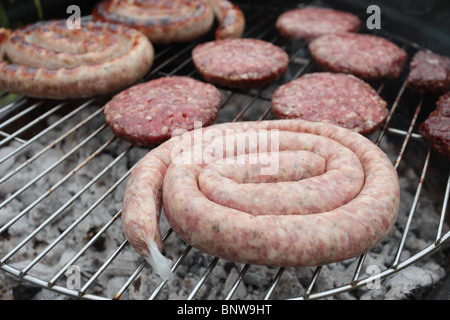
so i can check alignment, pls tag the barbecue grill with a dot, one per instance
(62, 178)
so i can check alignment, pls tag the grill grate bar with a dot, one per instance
(45, 172)
(32, 123)
(312, 282)
(408, 135)
(237, 282)
(21, 114)
(358, 269)
(413, 209)
(11, 106)
(102, 268)
(274, 283)
(52, 282)
(443, 212)
(174, 267)
(414, 136)
(75, 197)
(207, 272)
(139, 269)
(46, 194)
(130, 280)
(50, 145)
(7, 135)
(391, 112)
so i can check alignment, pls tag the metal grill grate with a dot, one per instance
(47, 200)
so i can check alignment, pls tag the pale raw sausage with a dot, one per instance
(354, 186)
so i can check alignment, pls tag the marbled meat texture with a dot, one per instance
(152, 112)
(240, 63)
(366, 56)
(335, 98)
(359, 197)
(429, 73)
(436, 128)
(310, 22)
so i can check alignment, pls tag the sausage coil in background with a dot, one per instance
(166, 22)
(48, 60)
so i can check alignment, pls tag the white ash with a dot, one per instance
(410, 282)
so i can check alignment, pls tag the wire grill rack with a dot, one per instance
(21, 126)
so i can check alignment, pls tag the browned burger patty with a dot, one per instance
(429, 73)
(308, 23)
(48, 60)
(160, 20)
(366, 56)
(335, 98)
(152, 112)
(240, 63)
(436, 129)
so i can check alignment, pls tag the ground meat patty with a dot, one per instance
(308, 23)
(48, 60)
(436, 129)
(152, 112)
(240, 63)
(366, 56)
(336, 98)
(160, 20)
(330, 195)
(429, 73)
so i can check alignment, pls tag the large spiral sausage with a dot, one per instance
(327, 194)
(166, 22)
(49, 60)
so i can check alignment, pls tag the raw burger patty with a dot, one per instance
(366, 56)
(149, 113)
(309, 23)
(240, 63)
(436, 129)
(429, 73)
(335, 98)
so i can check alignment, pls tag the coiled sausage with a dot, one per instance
(231, 19)
(48, 60)
(166, 22)
(353, 187)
